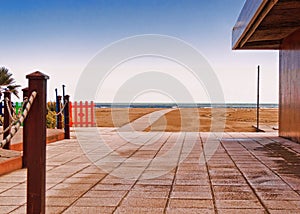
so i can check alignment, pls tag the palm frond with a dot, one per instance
(13, 89)
(7, 82)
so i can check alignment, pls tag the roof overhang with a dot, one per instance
(263, 24)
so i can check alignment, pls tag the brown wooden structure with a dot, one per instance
(35, 141)
(7, 118)
(275, 25)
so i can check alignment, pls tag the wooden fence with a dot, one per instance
(82, 114)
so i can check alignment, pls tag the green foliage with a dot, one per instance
(51, 119)
(51, 115)
(7, 83)
(51, 106)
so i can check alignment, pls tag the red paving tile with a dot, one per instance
(246, 173)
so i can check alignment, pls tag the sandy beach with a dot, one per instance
(191, 119)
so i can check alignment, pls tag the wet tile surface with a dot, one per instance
(164, 173)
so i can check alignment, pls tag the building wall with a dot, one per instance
(289, 98)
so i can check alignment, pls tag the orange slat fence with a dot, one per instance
(82, 114)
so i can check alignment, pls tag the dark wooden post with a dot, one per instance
(67, 117)
(58, 117)
(57, 105)
(1, 107)
(36, 148)
(7, 118)
(25, 131)
(63, 90)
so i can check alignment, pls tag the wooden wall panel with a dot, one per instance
(289, 98)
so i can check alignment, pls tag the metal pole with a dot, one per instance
(36, 151)
(257, 103)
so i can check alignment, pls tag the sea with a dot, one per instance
(185, 105)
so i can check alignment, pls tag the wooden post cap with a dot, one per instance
(37, 75)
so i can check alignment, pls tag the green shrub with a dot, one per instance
(51, 106)
(51, 119)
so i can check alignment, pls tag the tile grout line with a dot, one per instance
(120, 202)
(209, 176)
(92, 185)
(174, 178)
(13, 187)
(46, 180)
(251, 187)
(268, 166)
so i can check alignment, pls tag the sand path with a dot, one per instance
(144, 122)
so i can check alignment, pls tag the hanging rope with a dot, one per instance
(9, 109)
(8, 128)
(17, 124)
(61, 110)
(17, 115)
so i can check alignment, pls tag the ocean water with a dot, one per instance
(184, 105)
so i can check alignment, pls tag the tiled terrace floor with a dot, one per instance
(242, 173)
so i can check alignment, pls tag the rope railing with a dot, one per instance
(61, 110)
(8, 128)
(14, 116)
(17, 115)
(16, 124)
(8, 108)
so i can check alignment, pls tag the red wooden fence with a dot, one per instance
(82, 114)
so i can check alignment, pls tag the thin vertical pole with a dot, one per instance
(7, 118)
(36, 147)
(257, 103)
(64, 102)
(59, 117)
(57, 107)
(67, 114)
(63, 88)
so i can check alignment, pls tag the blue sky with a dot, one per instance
(60, 37)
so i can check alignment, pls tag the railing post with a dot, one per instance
(1, 107)
(36, 148)
(25, 131)
(58, 117)
(63, 90)
(7, 119)
(57, 105)
(67, 117)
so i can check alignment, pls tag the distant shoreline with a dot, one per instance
(190, 119)
(184, 105)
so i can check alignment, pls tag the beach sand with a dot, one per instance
(188, 119)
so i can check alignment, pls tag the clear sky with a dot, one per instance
(60, 37)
